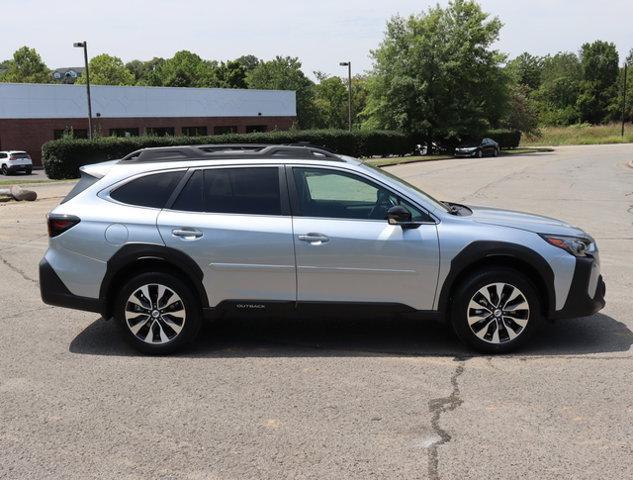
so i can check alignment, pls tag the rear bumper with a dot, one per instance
(586, 295)
(54, 292)
(19, 168)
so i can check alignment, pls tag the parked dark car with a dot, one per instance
(487, 147)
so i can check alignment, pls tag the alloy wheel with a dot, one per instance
(155, 314)
(498, 313)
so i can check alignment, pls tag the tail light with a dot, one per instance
(58, 224)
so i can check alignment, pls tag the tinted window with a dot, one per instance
(256, 128)
(253, 191)
(124, 132)
(148, 191)
(160, 131)
(335, 194)
(71, 132)
(221, 130)
(194, 131)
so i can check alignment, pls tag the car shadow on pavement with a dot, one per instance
(276, 337)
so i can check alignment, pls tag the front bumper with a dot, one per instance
(465, 154)
(586, 294)
(54, 292)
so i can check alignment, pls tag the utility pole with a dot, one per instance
(84, 45)
(624, 97)
(349, 92)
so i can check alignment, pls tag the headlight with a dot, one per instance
(577, 246)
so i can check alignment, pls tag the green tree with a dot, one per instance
(146, 72)
(186, 69)
(523, 113)
(436, 74)
(526, 69)
(26, 67)
(284, 73)
(615, 108)
(600, 69)
(108, 70)
(249, 62)
(331, 100)
(232, 74)
(557, 97)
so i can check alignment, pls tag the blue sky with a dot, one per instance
(320, 32)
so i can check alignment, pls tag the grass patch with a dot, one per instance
(582, 134)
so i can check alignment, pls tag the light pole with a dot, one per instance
(349, 92)
(624, 97)
(84, 45)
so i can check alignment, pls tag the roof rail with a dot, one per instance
(229, 151)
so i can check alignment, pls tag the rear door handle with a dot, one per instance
(314, 238)
(187, 233)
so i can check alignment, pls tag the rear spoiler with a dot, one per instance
(98, 170)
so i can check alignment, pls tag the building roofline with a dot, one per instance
(75, 85)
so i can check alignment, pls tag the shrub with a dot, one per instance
(62, 158)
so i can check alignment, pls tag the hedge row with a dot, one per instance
(62, 158)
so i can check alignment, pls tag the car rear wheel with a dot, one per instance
(158, 313)
(496, 152)
(28, 171)
(495, 310)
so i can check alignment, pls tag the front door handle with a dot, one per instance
(187, 233)
(314, 238)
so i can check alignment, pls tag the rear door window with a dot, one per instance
(250, 191)
(151, 190)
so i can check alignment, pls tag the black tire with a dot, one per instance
(28, 171)
(496, 152)
(481, 280)
(479, 154)
(5, 170)
(192, 318)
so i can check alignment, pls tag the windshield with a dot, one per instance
(429, 198)
(19, 155)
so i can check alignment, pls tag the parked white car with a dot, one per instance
(15, 161)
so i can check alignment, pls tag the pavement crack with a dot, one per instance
(437, 406)
(17, 270)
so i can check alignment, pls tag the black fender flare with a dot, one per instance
(489, 251)
(131, 255)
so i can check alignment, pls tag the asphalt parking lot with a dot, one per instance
(371, 398)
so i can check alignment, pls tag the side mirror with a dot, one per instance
(398, 215)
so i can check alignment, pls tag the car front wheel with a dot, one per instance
(495, 310)
(5, 170)
(158, 313)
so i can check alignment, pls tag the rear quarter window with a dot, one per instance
(151, 190)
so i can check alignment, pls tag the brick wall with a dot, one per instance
(31, 134)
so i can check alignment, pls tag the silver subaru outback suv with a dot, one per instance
(167, 238)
